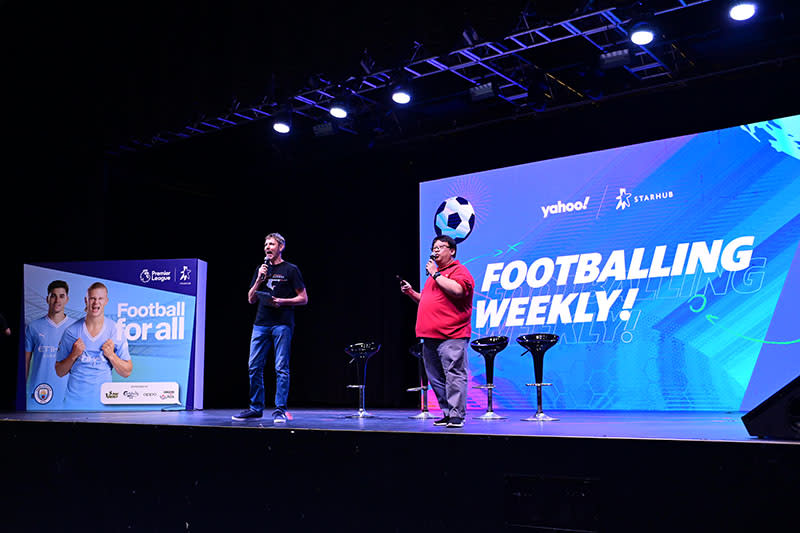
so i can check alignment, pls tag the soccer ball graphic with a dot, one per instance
(454, 218)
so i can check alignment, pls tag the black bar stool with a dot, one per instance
(537, 344)
(416, 351)
(489, 347)
(360, 353)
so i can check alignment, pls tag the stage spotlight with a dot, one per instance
(481, 92)
(642, 33)
(338, 109)
(538, 89)
(470, 36)
(323, 130)
(401, 95)
(341, 102)
(740, 10)
(614, 59)
(282, 122)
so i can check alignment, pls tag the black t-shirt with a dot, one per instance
(283, 281)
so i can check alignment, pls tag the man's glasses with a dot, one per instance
(437, 248)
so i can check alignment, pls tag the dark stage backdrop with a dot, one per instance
(348, 211)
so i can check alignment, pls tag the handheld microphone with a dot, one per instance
(433, 258)
(266, 262)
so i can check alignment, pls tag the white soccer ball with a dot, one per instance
(455, 218)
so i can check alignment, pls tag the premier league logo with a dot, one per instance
(454, 218)
(43, 393)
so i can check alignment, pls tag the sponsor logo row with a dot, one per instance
(625, 200)
(142, 393)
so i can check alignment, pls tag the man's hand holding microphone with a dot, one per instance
(431, 267)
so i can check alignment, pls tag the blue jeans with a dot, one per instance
(263, 338)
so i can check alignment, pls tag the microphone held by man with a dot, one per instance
(431, 265)
(263, 272)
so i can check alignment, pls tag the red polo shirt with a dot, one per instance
(441, 317)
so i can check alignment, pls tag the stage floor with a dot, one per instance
(703, 426)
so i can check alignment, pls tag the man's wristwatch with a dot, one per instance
(436, 275)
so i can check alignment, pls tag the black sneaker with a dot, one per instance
(455, 422)
(441, 421)
(247, 413)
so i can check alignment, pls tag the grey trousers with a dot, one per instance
(446, 365)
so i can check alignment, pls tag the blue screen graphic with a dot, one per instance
(669, 270)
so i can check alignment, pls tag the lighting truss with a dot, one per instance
(496, 62)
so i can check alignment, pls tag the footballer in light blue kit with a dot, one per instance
(45, 389)
(89, 350)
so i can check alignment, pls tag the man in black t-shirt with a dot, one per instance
(278, 287)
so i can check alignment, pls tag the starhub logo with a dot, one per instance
(561, 207)
(625, 199)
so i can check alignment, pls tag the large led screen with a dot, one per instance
(669, 270)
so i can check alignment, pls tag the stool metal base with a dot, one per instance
(360, 414)
(362, 411)
(490, 415)
(539, 417)
(424, 414)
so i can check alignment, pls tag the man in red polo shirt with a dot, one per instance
(443, 324)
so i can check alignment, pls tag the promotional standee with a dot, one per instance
(669, 270)
(113, 336)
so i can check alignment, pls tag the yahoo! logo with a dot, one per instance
(561, 207)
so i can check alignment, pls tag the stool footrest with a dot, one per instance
(538, 384)
(483, 386)
(417, 389)
(355, 386)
